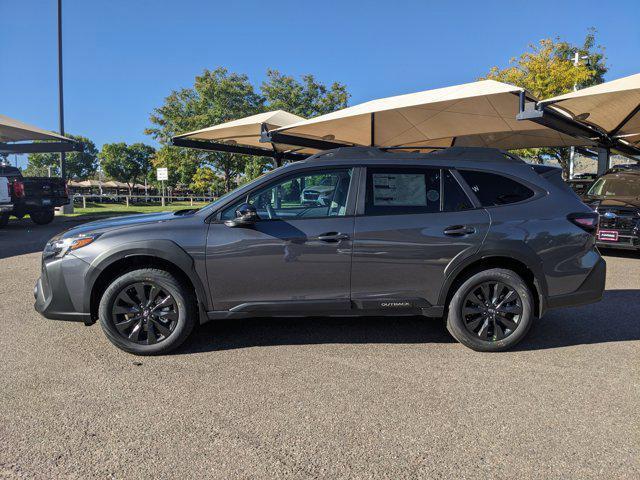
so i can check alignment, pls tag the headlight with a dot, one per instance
(58, 248)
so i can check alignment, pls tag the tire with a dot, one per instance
(42, 217)
(177, 316)
(4, 219)
(491, 324)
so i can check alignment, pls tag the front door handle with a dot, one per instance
(459, 230)
(332, 237)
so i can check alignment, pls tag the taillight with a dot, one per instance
(18, 189)
(587, 221)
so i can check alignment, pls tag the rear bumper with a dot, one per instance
(590, 291)
(60, 290)
(6, 207)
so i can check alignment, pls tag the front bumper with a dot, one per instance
(625, 242)
(60, 291)
(590, 291)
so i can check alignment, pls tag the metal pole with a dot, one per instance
(572, 152)
(63, 156)
(63, 166)
(604, 160)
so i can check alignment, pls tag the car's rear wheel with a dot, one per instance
(42, 217)
(147, 312)
(491, 311)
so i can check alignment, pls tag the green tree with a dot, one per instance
(204, 180)
(308, 98)
(126, 163)
(254, 168)
(217, 96)
(547, 70)
(180, 163)
(79, 164)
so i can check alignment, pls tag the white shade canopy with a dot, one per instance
(613, 107)
(480, 113)
(12, 130)
(245, 131)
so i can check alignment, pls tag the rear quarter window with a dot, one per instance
(493, 189)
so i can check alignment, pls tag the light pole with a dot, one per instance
(63, 156)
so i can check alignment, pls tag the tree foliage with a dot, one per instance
(205, 180)
(547, 70)
(219, 96)
(126, 163)
(79, 164)
(307, 98)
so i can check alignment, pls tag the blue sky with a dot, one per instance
(123, 57)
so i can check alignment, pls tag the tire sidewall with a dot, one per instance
(166, 281)
(43, 217)
(455, 321)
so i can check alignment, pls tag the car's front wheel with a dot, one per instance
(491, 311)
(147, 312)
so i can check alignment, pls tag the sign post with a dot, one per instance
(162, 175)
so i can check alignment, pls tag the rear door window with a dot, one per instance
(397, 191)
(493, 189)
(413, 190)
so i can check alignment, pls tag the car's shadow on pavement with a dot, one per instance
(614, 319)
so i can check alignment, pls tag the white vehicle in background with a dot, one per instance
(5, 198)
(318, 194)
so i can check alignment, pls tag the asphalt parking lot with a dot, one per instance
(318, 398)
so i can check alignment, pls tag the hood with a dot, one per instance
(114, 223)
(617, 202)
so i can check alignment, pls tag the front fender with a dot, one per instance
(164, 249)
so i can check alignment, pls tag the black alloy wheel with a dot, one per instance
(145, 313)
(492, 311)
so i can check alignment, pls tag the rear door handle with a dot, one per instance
(332, 237)
(459, 230)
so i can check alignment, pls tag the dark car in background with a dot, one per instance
(616, 197)
(474, 235)
(581, 183)
(34, 196)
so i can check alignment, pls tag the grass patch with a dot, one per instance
(113, 209)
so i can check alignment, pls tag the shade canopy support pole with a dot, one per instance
(604, 160)
(373, 129)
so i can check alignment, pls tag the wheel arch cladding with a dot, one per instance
(518, 265)
(162, 254)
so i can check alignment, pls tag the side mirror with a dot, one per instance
(246, 216)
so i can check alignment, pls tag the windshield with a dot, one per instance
(616, 186)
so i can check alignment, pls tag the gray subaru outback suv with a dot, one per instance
(474, 235)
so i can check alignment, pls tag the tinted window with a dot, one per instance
(304, 195)
(492, 189)
(396, 191)
(455, 199)
(617, 185)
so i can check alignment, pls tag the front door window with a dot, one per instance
(316, 194)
